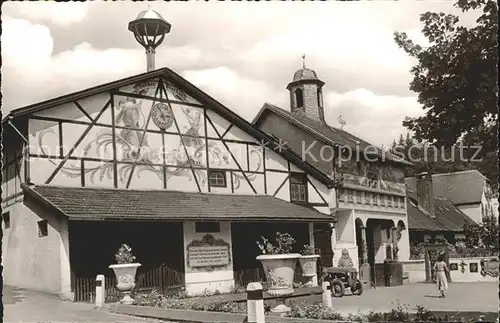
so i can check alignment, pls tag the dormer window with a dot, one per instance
(298, 187)
(299, 98)
(217, 178)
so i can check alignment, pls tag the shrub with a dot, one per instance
(124, 255)
(156, 299)
(313, 311)
(283, 245)
(307, 250)
(399, 314)
(152, 299)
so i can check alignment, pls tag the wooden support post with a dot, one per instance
(327, 294)
(100, 291)
(255, 303)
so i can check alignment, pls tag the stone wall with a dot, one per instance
(461, 270)
(200, 280)
(32, 261)
(469, 270)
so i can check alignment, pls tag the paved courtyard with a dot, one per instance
(465, 297)
(30, 306)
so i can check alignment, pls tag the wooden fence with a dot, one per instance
(164, 279)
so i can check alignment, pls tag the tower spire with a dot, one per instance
(303, 60)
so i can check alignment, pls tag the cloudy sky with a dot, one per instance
(243, 54)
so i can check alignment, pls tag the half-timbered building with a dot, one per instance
(154, 162)
(371, 208)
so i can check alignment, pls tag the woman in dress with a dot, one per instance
(441, 271)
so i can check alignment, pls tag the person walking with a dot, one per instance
(441, 272)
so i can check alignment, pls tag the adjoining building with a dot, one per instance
(371, 208)
(469, 191)
(433, 218)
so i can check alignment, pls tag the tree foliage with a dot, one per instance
(442, 159)
(456, 77)
(483, 235)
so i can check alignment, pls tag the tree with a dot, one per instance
(456, 77)
(483, 235)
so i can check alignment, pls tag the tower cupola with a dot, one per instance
(306, 93)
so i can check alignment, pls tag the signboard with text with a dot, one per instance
(208, 256)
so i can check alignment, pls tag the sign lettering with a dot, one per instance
(208, 256)
(177, 93)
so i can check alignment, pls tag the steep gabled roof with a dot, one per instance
(324, 132)
(465, 187)
(447, 216)
(189, 89)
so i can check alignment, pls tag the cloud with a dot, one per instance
(59, 13)
(375, 118)
(240, 94)
(67, 47)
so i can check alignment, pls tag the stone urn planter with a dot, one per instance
(125, 277)
(125, 271)
(308, 265)
(280, 270)
(279, 266)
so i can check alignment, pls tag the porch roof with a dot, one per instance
(82, 203)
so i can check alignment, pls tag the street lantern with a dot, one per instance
(149, 30)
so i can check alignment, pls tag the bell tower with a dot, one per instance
(306, 93)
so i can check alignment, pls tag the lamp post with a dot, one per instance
(149, 30)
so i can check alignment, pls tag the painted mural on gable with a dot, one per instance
(142, 126)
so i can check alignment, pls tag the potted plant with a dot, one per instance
(279, 266)
(125, 270)
(308, 260)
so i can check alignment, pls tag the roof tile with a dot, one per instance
(100, 203)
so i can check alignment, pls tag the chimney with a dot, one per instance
(425, 193)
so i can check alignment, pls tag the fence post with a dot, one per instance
(327, 294)
(255, 303)
(100, 291)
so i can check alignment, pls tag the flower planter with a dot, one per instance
(279, 271)
(308, 265)
(125, 277)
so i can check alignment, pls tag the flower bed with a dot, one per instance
(305, 311)
(155, 299)
(400, 314)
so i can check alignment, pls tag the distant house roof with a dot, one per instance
(460, 188)
(447, 216)
(325, 132)
(83, 203)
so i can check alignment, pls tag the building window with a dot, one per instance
(320, 98)
(207, 227)
(298, 187)
(43, 228)
(299, 98)
(6, 219)
(217, 178)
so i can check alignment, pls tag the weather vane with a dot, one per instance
(341, 121)
(303, 60)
